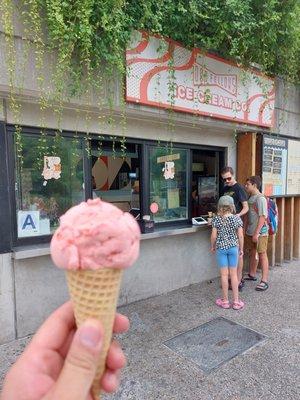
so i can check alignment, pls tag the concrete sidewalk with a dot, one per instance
(267, 371)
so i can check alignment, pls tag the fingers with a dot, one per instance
(79, 370)
(115, 357)
(110, 381)
(115, 361)
(56, 329)
(121, 324)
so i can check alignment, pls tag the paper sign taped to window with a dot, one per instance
(169, 170)
(173, 198)
(28, 223)
(52, 167)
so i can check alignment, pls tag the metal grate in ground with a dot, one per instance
(214, 343)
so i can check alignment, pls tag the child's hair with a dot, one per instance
(255, 180)
(222, 210)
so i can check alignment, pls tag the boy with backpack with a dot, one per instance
(257, 232)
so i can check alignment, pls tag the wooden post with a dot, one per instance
(289, 228)
(271, 250)
(296, 250)
(279, 250)
(246, 150)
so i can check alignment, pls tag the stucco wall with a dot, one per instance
(165, 264)
(287, 108)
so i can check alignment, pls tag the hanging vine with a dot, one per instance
(89, 36)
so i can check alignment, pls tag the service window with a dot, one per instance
(205, 181)
(168, 183)
(49, 182)
(116, 177)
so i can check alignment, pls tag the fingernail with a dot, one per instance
(90, 336)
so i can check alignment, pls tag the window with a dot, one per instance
(49, 182)
(171, 184)
(168, 183)
(116, 178)
(205, 182)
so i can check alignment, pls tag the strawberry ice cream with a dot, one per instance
(95, 235)
(94, 243)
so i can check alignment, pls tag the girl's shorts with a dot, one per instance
(227, 258)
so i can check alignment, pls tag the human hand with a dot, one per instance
(241, 253)
(60, 362)
(212, 249)
(255, 238)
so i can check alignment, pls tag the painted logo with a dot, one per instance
(205, 77)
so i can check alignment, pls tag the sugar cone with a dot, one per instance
(94, 294)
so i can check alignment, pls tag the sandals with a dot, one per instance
(223, 303)
(262, 286)
(249, 277)
(240, 287)
(238, 305)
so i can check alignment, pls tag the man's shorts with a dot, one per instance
(261, 246)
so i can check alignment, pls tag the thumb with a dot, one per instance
(79, 370)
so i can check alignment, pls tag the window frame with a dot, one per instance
(144, 153)
(34, 131)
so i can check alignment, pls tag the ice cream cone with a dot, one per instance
(94, 294)
(94, 242)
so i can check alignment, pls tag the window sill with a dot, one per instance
(40, 250)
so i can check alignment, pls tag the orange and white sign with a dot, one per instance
(162, 73)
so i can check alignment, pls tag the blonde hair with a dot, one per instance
(222, 210)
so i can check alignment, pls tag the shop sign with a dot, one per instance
(28, 223)
(162, 73)
(170, 157)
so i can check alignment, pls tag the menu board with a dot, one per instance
(274, 165)
(293, 167)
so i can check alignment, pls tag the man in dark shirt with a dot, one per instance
(238, 193)
(235, 190)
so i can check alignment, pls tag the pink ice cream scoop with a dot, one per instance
(94, 235)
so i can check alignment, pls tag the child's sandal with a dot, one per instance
(223, 303)
(238, 305)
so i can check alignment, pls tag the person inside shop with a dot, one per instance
(60, 362)
(235, 190)
(256, 229)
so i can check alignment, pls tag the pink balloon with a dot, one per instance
(154, 208)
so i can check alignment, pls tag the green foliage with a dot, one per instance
(265, 32)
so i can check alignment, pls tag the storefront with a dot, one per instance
(168, 172)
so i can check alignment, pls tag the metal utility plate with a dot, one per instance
(214, 343)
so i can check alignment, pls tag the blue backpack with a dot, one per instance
(272, 218)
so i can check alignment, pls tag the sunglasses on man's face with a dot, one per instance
(228, 179)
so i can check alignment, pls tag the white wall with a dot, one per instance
(164, 264)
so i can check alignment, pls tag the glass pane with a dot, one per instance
(49, 182)
(205, 182)
(168, 184)
(116, 179)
